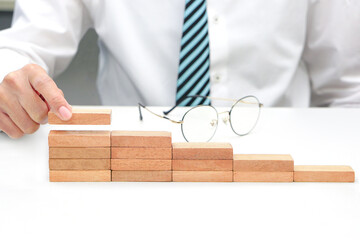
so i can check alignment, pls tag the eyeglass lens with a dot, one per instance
(199, 124)
(244, 115)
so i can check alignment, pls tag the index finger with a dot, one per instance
(47, 88)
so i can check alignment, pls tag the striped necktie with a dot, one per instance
(194, 65)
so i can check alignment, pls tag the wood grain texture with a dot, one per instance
(263, 163)
(141, 153)
(263, 176)
(206, 151)
(83, 117)
(79, 152)
(140, 164)
(80, 175)
(319, 173)
(141, 176)
(79, 164)
(79, 138)
(202, 165)
(202, 176)
(147, 139)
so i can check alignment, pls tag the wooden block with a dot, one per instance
(141, 153)
(79, 164)
(324, 174)
(263, 163)
(206, 151)
(80, 176)
(140, 164)
(202, 165)
(79, 138)
(79, 152)
(263, 176)
(84, 117)
(147, 139)
(202, 176)
(141, 176)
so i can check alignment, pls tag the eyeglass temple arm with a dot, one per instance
(169, 111)
(140, 113)
(164, 117)
(181, 100)
(192, 96)
(213, 98)
(228, 99)
(177, 104)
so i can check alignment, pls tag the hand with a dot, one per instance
(26, 97)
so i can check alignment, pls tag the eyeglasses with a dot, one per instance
(199, 123)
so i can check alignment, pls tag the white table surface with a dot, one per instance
(33, 208)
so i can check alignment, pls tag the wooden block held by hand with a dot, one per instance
(324, 174)
(202, 176)
(94, 152)
(79, 164)
(202, 165)
(140, 164)
(141, 153)
(263, 176)
(141, 176)
(263, 163)
(84, 117)
(146, 139)
(79, 138)
(206, 151)
(80, 175)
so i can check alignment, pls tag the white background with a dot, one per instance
(33, 208)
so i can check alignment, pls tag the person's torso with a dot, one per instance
(255, 48)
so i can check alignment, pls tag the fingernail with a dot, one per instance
(65, 113)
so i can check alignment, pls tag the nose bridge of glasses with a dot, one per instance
(225, 117)
(224, 112)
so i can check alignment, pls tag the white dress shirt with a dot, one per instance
(287, 53)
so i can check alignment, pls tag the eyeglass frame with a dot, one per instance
(208, 97)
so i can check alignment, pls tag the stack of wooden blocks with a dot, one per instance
(263, 168)
(202, 162)
(138, 156)
(79, 156)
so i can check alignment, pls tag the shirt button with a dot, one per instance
(216, 78)
(216, 19)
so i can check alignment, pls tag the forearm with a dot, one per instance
(44, 32)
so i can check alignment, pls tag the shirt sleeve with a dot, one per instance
(332, 52)
(45, 32)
